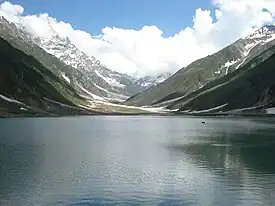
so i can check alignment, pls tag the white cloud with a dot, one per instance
(146, 51)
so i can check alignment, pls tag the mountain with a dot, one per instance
(248, 89)
(91, 76)
(202, 72)
(29, 88)
(36, 83)
(149, 81)
(86, 74)
(53, 77)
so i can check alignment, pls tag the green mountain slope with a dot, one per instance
(28, 88)
(203, 71)
(250, 88)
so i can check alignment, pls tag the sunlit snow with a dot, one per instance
(10, 99)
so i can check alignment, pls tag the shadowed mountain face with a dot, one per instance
(31, 87)
(250, 87)
(208, 72)
(28, 88)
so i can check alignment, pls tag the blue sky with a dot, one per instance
(93, 15)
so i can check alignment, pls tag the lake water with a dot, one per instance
(137, 161)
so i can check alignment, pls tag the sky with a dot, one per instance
(145, 37)
(93, 15)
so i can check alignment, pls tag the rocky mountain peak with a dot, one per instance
(265, 32)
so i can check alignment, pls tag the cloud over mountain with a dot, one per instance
(146, 51)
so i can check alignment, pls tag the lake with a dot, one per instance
(107, 160)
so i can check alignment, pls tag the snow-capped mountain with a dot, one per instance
(97, 81)
(109, 84)
(149, 81)
(88, 76)
(249, 45)
(267, 33)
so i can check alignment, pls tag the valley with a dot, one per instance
(52, 77)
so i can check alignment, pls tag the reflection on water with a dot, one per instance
(137, 160)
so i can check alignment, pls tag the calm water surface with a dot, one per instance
(137, 161)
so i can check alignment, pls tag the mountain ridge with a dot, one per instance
(249, 89)
(111, 84)
(30, 89)
(87, 73)
(202, 71)
(43, 85)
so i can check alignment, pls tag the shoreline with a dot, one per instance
(153, 114)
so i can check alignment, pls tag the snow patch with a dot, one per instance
(146, 84)
(66, 78)
(270, 39)
(211, 109)
(59, 103)
(110, 81)
(237, 67)
(111, 93)
(230, 63)
(257, 35)
(226, 66)
(147, 109)
(94, 96)
(260, 33)
(161, 79)
(170, 101)
(271, 110)
(249, 46)
(10, 99)
(156, 109)
(200, 85)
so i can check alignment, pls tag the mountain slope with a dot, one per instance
(249, 89)
(28, 88)
(93, 76)
(42, 84)
(83, 72)
(199, 73)
(149, 81)
(88, 73)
